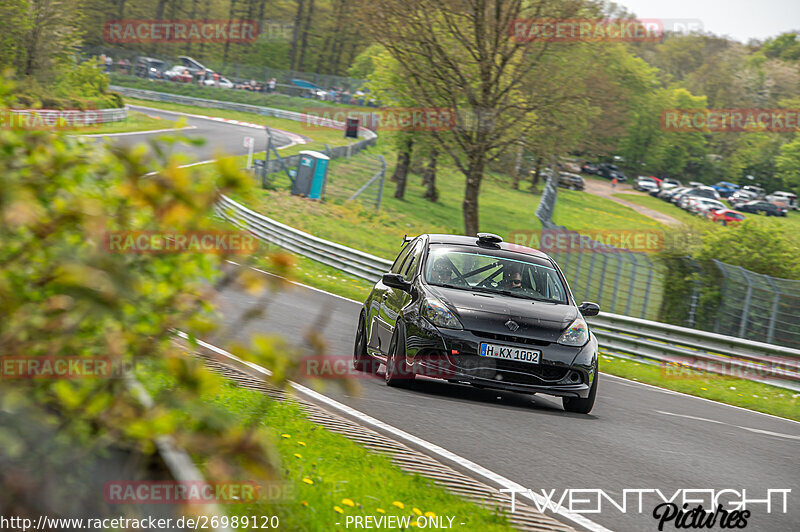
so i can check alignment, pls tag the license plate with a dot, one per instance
(506, 352)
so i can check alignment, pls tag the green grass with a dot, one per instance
(739, 392)
(325, 471)
(136, 121)
(312, 273)
(318, 136)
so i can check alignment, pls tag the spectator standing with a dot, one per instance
(109, 63)
(271, 84)
(614, 183)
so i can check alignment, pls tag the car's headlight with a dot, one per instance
(435, 312)
(576, 334)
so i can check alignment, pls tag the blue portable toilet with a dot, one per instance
(311, 172)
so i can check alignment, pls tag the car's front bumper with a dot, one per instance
(453, 355)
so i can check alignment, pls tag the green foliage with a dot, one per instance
(785, 46)
(64, 293)
(787, 163)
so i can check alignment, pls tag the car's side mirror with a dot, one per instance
(395, 280)
(589, 309)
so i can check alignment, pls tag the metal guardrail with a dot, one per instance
(685, 348)
(357, 263)
(660, 342)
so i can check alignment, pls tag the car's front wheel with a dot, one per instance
(579, 405)
(398, 374)
(361, 360)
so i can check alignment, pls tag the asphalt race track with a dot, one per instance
(637, 437)
(220, 137)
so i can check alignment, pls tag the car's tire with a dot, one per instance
(579, 405)
(398, 374)
(361, 360)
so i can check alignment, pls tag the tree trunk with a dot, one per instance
(470, 206)
(517, 168)
(400, 175)
(429, 178)
(535, 174)
(298, 18)
(304, 41)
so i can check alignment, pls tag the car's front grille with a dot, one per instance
(509, 338)
(509, 371)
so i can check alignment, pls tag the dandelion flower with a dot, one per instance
(298, 455)
(399, 504)
(337, 509)
(348, 502)
(308, 480)
(416, 511)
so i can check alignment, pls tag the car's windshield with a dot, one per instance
(482, 271)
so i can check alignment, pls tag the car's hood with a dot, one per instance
(489, 313)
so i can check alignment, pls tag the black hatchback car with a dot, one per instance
(479, 311)
(759, 206)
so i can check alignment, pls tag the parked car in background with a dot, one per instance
(741, 196)
(725, 188)
(178, 73)
(589, 168)
(669, 182)
(724, 216)
(668, 193)
(149, 67)
(787, 200)
(571, 181)
(699, 205)
(645, 184)
(757, 191)
(696, 184)
(759, 206)
(611, 171)
(224, 83)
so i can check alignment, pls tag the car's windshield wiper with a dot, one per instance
(507, 293)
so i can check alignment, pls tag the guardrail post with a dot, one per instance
(589, 276)
(746, 310)
(630, 286)
(614, 290)
(602, 276)
(647, 286)
(380, 183)
(774, 311)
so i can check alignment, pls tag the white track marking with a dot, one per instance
(631, 382)
(750, 429)
(432, 448)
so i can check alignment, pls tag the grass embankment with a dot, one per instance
(318, 136)
(739, 392)
(326, 476)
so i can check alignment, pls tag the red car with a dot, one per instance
(725, 216)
